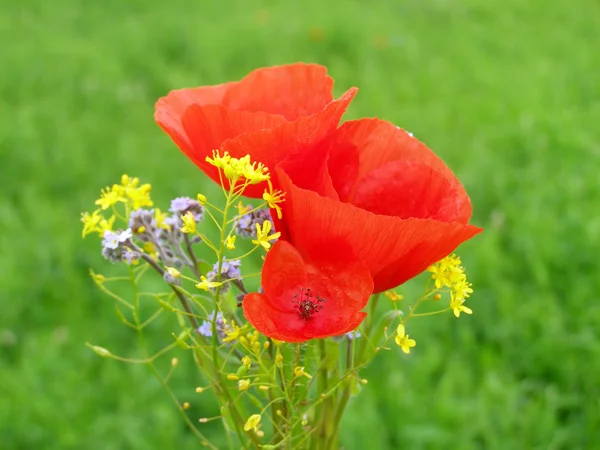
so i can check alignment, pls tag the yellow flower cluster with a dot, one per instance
(237, 168)
(129, 192)
(251, 341)
(449, 272)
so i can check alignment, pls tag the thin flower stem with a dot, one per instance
(323, 410)
(115, 296)
(431, 313)
(180, 296)
(136, 317)
(236, 416)
(191, 254)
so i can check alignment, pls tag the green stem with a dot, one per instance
(150, 364)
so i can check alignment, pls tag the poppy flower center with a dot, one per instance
(306, 303)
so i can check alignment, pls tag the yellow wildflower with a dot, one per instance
(456, 303)
(201, 199)
(232, 333)
(447, 271)
(173, 272)
(129, 182)
(255, 173)
(140, 196)
(403, 340)
(462, 289)
(110, 196)
(243, 385)
(219, 161)
(106, 225)
(90, 222)
(242, 209)
(151, 250)
(246, 361)
(205, 285)
(393, 296)
(252, 423)
(236, 168)
(189, 223)
(273, 198)
(262, 235)
(299, 372)
(230, 242)
(160, 219)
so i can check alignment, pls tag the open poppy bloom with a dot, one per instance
(309, 298)
(271, 114)
(385, 194)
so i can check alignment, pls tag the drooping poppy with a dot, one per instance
(306, 298)
(271, 114)
(396, 204)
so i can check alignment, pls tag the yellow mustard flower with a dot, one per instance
(230, 242)
(262, 235)
(299, 372)
(393, 296)
(189, 223)
(403, 340)
(456, 304)
(205, 285)
(90, 222)
(244, 384)
(232, 333)
(110, 196)
(273, 199)
(140, 196)
(217, 160)
(252, 422)
(160, 219)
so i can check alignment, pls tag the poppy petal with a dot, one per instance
(276, 324)
(342, 323)
(373, 143)
(283, 270)
(294, 91)
(333, 289)
(408, 189)
(393, 249)
(271, 146)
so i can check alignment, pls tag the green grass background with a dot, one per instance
(508, 94)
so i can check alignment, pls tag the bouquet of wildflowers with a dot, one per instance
(274, 284)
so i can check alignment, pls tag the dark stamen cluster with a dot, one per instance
(307, 304)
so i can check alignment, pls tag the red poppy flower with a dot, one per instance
(385, 194)
(270, 114)
(309, 298)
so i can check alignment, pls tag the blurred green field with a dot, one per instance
(506, 92)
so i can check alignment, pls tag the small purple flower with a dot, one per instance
(131, 256)
(229, 270)
(181, 205)
(206, 328)
(143, 224)
(113, 239)
(246, 226)
(112, 244)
